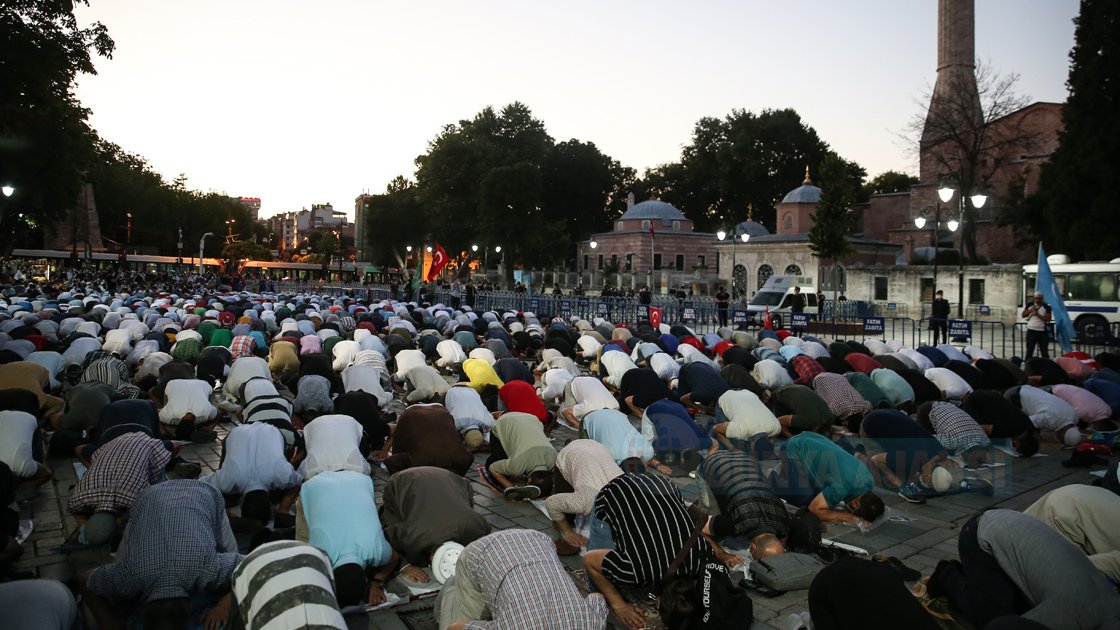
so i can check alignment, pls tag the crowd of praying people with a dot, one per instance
(599, 423)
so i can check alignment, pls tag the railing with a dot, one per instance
(1092, 343)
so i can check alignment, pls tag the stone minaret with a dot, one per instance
(955, 102)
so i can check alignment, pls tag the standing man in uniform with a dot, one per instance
(797, 305)
(723, 302)
(1037, 314)
(939, 318)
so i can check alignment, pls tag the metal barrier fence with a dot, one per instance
(1109, 341)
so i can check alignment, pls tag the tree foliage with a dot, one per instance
(888, 182)
(742, 159)
(1076, 197)
(392, 219)
(45, 141)
(832, 220)
(237, 251)
(966, 148)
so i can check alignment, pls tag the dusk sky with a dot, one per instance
(313, 102)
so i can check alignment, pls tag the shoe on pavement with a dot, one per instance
(521, 493)
(913, 493)
(795, 622)
(975, 484)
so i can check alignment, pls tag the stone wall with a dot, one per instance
(1002, 289)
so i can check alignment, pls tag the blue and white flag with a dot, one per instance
(1044, 284)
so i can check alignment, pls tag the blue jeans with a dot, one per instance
(598, 538)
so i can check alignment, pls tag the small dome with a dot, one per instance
(805, 193)
(653, 209)
(754, 228)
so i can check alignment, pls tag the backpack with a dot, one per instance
(786, 572)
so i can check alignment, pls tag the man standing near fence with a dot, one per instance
(797, 305)
(723, 303)
(1037, 315)
(939, 318)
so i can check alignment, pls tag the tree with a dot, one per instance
(832, 220)
(742, 159)
(45, 141)
(398, 211)
(966, 137)
(237, 251)
(1075, 202)
(889, 182)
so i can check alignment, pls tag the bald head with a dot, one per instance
(766, 545)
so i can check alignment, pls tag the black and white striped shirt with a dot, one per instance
(286, 584)
(649, 524)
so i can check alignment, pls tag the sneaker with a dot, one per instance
(521, 493)
(795, 622)
(975, 484)
(913, 492)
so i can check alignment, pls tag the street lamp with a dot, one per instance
(978, 200)
(201, 247)
(128, 233)
(179, 263)
(8, 190)
(721, 235)
(945, 193)
(229, 229)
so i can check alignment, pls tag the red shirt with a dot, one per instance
(521, 396)
(860, 362)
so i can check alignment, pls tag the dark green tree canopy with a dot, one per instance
(832, 220)
(1076, 196)
(888, 182)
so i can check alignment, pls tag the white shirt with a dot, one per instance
(424, 382)
(118, 341)
(554, 382)
(187, 396)
(586, 394)
(486, 354)
(450, 353)
(919, 359)
(770, 374)
(254, 461)
(366, 379)
(814, 349)
(667, 369)
(17, 429)
(1035, 321)
(747, 414)
(406, 360)
(976, 353)
(876, 347)
(1046, 411)
(616, 364)
(332, 444)
(951, 385)
(589, 346)
(466, 407)
(555, 360)
(344, 352)
(242, 370)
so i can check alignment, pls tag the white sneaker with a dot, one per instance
(795, 622)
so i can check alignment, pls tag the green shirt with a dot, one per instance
(868, 389)
(839, 475)
(527, 447)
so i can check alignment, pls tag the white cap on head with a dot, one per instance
(1072, 436)
(941, 479)
(444, 559)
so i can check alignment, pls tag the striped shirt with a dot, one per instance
(955, 429)
(735, 478)
(286, 584)
(525, 585)
(649, 525)
(588, 466)
(842, 399)
(118, 472)
(261, 402)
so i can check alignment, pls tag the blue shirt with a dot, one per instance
(342, 519)
(838, 475)
(612, 429)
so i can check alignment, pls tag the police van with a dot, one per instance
(777, 295)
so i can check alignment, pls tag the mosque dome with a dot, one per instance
(805, 193)
(653, 209)
(754, 228)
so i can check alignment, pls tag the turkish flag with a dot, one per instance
(439, 261)
(655, 316)
(767, 323)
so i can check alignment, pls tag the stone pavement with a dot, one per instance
(920, 535)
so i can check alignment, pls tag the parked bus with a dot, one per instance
(1091, 291)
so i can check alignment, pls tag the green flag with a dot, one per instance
(416, 279)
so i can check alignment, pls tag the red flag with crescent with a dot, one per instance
(655, 316)
(439, 261)
(767, 323)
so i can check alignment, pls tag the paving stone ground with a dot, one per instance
(920, 535)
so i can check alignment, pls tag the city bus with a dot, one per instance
(1091, 291)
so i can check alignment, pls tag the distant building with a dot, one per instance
(252, 204)
(362, 209)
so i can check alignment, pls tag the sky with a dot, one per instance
(301, 102)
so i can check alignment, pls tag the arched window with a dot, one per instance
(793, 270)
(787, 222)
(764, 272)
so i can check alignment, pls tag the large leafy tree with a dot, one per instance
(833, 218)
(45, 141)
(1075, 206)
(391, 217)
(888, 182)
(744, 158)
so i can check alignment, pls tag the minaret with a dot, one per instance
(954, 93)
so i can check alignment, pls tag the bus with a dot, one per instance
(1090, 290)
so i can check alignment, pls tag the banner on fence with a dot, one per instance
(960, 328)
(799, 320)
(565, 308)
(603, 309)
(739, 316)
(688, 314)
(873, 326)
(535, 305)
(891, 306)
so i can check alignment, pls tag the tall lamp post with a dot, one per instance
(978, 201)
(179, 263)
(721, 235)
(591, 274)
(201, 247)
(945, 194)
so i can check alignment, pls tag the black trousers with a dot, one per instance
(497, 453)
(939, 327)
(1038, 338)
(977, 585)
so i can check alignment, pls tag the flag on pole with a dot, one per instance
(655, 316)
(651, 235)
(767, 323)
(1044, 284)
(419, 276)
(439, 261)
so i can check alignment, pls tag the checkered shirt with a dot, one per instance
(242, 346)
(955, 429)
(806, 367)
(120, 470)
(735, 478)
(842, 399)
(526, 586)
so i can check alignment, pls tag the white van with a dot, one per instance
(777, 294)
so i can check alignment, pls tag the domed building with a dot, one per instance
(652, 243)
(786, 251)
